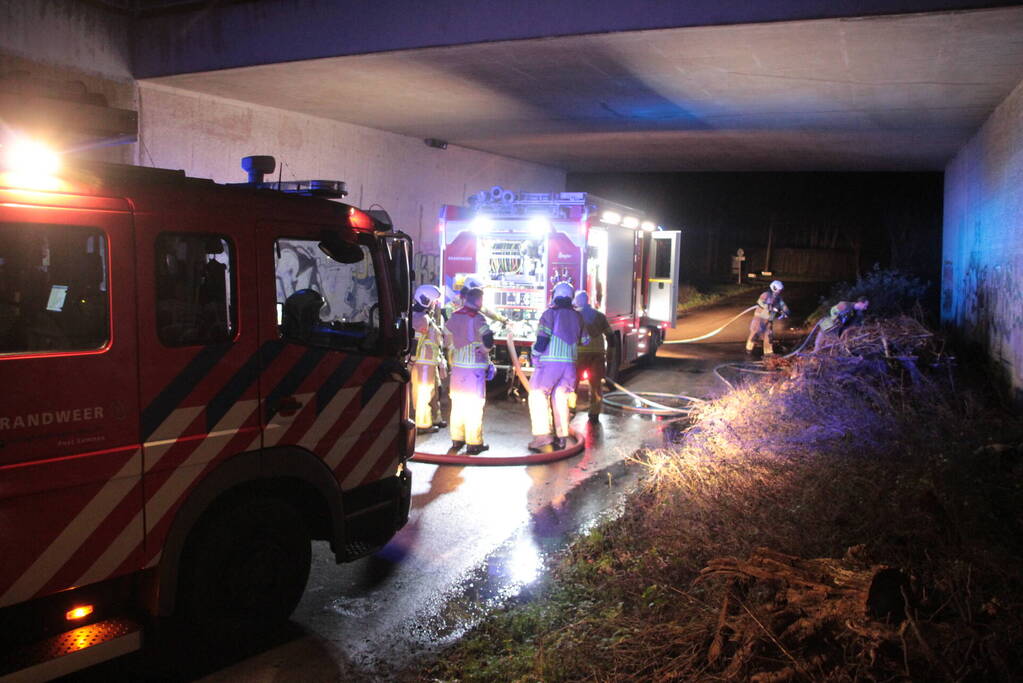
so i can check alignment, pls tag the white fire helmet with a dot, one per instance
(777, 286)
(426, 295)
(563, 290)
(581, 298)
(471, 282)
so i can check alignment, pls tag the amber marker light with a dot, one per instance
(359, 219)
(79, 612)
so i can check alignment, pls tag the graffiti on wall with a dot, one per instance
(946, 290)
(991, 312)
(427, 267)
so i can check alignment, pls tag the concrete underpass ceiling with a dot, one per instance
(882, 93)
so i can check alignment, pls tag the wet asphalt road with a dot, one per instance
(476, 538)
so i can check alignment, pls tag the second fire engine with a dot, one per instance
(521, 244)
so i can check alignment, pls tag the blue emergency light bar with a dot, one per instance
(331, 189)
(259, 166)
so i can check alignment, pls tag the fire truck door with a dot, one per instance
(70, 464)
(662, 275)
(326, 384)
(197, 354)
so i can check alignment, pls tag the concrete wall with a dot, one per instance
(57, 41)
(208, 136)
(982, 276)
(66, 33)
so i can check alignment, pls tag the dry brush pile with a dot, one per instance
(844, 518)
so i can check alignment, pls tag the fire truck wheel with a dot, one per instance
(647, 358)
(246, 570)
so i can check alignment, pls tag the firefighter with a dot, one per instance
(592, 356)
(843, 314)
(428, 364)
(462, 283)
(770, 307)
(469, 341)
(558, 337)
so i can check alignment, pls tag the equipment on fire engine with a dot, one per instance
(428, 364)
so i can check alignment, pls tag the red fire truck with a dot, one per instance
(520, 244)
(197, 379)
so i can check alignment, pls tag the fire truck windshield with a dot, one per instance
(323, 302)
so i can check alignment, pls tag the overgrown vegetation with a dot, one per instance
(741, 555)
(890, 291)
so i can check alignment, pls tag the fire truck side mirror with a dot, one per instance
(338, 249)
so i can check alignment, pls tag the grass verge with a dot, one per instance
(859, 460)
(695, 296)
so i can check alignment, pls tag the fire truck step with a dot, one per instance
(70, 651)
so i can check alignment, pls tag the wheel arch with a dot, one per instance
(291, 473)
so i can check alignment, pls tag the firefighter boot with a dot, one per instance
(768, 347)
(541, 444)
(477, 448)
(455, 447)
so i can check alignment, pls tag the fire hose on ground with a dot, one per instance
(506, 460)
(649, 405)
(622, 399)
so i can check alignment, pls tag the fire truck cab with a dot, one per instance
(198, 379)
(520, 244)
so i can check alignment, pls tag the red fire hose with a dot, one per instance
(505, 460)
(498, 460)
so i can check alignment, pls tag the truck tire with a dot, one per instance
(647, 358)
(245, 570)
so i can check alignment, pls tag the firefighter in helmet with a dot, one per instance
(558, 337)
(428, 364)
(592, 359)
(465, 282)
(469, 341)
(770, 307)
(843, 314)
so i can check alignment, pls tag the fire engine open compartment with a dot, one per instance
(514, 278)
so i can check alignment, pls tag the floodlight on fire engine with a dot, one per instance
(481, 224)
(539, 225)
(630, 222)
(31, 158)
(611, 217)
(648, 226)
